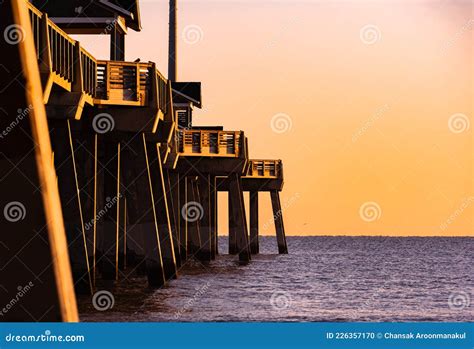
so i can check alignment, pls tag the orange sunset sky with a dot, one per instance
(371, 103)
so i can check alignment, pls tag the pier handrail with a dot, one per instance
(209, 143)
(108, 82)
(89, 72)
(264, 168)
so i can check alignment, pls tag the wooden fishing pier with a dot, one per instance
(103, 170)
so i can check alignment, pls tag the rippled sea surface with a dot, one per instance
(321, 279)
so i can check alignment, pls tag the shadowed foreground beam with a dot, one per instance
(30, 199)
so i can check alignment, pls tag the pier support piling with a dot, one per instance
(157, 184)
(183, 229)
(254, 243)
(171, 180)
(194, 236)
(143, 233)
(214, 234)
(205, 222)
(232, 228)
(278, 218)
(238, 215)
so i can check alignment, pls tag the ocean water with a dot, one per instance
(321, 279)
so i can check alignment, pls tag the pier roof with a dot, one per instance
(90, 16)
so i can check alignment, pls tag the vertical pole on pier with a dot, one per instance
(232, 228)
(117, 44)
(213, 201)
(157, 185)
(238, 214)
(183, 229)
(171, 180)
(278, 218)
(194, 237)
(205, 226)
(172, 45)
(254, 243)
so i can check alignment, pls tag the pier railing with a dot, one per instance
(106, 82)
(210, 143)
(265, 169)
